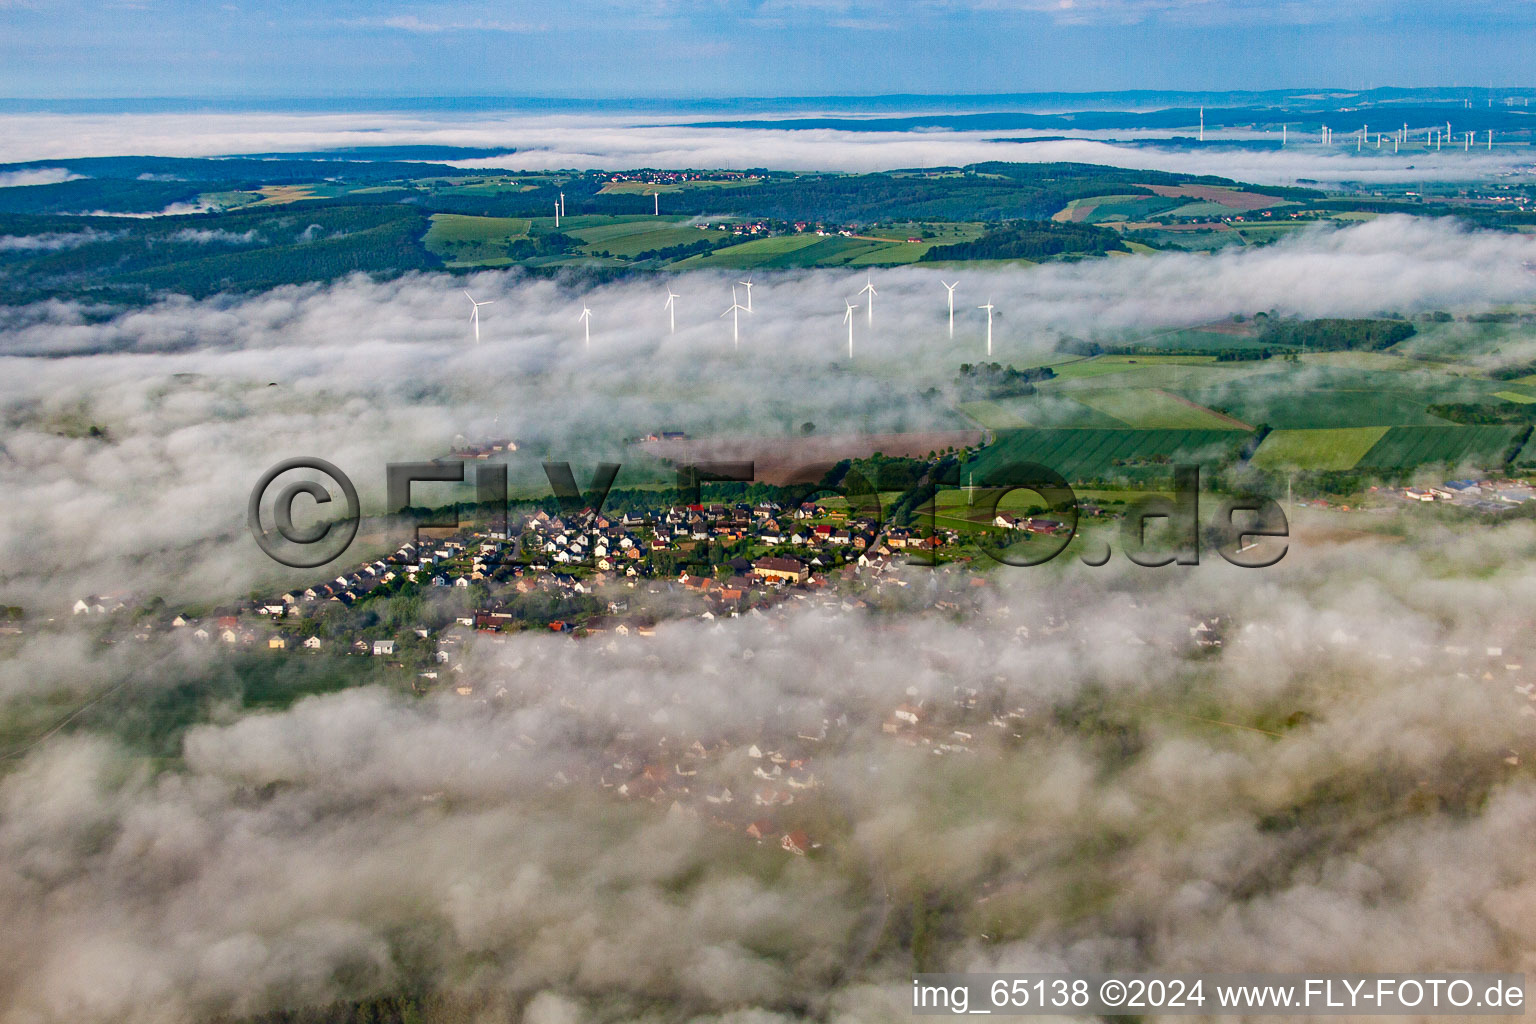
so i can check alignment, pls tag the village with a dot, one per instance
(430, 616)
(1492, 497)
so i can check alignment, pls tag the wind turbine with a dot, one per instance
(848, 319)
(989, 308)
(869, 309)
(951, 288)
(586, 321)
(474, 313)
(748, 283)
(735, 314)
(671, 308)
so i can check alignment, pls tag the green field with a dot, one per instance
(1317, 449)
(1092, 454)
(1200, 339)
(1097, 366)
(1516, 396)
(1405, 447)
(630, 238)
(1181, 378)
(808, 250)
(1114, 209)
(1154, 409)
(1309, 409)
(1264, 232)
(466, 241)
(760, 252)
(1324, 396)
(997, 414)
(1202, 208)
(1460, 340)
(1039, 410)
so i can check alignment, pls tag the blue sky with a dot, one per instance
(125, 48)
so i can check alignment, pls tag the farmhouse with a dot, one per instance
(787, 570)
(796, 842)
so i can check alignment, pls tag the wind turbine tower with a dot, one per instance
(474, 313)
(586, 322)
(848, 319)
(748, 285)
(869, 310)
(671, 308)
(1202, 124)
(735, 314)
(989, 308)
(951, 288)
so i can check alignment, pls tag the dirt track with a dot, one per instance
(776, 460)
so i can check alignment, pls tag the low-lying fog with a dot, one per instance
(585, 141)
(1333, 790)
(195, 399)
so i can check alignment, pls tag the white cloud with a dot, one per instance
(36, 176)
(49, 243)
(369, 373)
(206, 236)
(608, 141)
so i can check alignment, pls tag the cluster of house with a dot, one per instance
(1037, 525)
(804, 552)
(1481, 495)
(481, 450)
(771, 785)
(677, 177)
(622, 543)
(99, 604)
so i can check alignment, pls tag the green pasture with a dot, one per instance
(630, 238)
(1336, 449)
(1405, 447)
(1154, 409)
(1088, 454)
(466, 241)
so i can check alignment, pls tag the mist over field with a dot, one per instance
(582, 140)
(197, 398)
(1330, 790)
